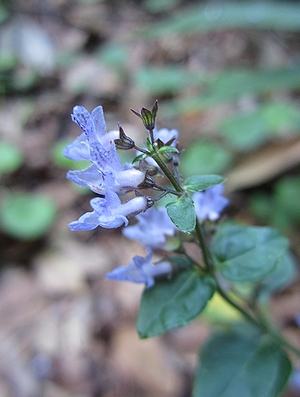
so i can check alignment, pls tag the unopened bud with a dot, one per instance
(150, 202)
(124, 142)
(148, 183)
(148, 116)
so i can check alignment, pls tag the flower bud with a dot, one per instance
(148, 183)
(148, 116)
(124, 142)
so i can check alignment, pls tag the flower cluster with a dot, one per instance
(109, 178)
(106, 175)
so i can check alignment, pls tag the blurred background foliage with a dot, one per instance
(226, 74)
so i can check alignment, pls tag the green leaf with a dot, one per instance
(248, 130)
(197, 183)
(149, 145)
(10, 157)
(204, 157)
(243, 367)
(182, 213)
(167, 149)
(233, 365)
(27, 216)
(139, 158)
(280, 116)
(247, 253)
(244, 131)
(174, 303)
(284, 274)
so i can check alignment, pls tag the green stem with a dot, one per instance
(237, 306)
(260, 323)
(205, 252)
(176, 184)
(274, 332)
(151, 136)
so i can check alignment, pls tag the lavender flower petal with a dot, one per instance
(152, 228)
(79, 149)
(165, 135)
(109, 212)
(141, 270)
(210, 203)
(91, 178)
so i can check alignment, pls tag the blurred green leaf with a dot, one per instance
(246, 131)
(234, 365)
(282, 208)
(24, 79)
(157, 6)
(114, 55)
(279, 116)
(170, 305)
(247, 253)
(204, 157)
(26, 216)
(261, 205)
(216, 16)
(282, 276)
(10, 157)
(3, 13)
(286, 198)
(7, 62)
(169, 79)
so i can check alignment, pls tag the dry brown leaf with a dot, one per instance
(264, 165)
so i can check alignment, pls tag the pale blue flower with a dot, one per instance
(166, 135)
(152, 228)
(109, 212)
(141, 270)
(210, 203)
(97, 146)
(91, 178)
(94, 129)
